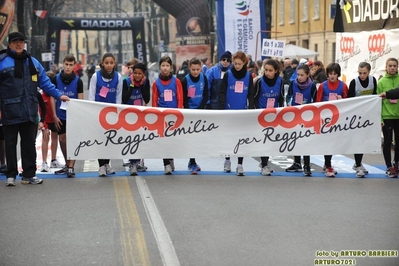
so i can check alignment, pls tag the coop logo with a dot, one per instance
(347, 45)
(158, 125)
(243, 8)
(316, 121)
(376, 43)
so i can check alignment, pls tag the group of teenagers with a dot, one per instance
(226, 86)
(230, 86)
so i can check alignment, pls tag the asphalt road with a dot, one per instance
(213, 218)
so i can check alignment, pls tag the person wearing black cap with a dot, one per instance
(215, 80)
(20, 75)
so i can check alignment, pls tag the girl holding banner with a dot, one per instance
(237, 92)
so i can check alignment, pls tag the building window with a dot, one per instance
(305, 44)
(305, 10)
(316, 9)
(333, 10)
(292, 11)
(281, 14)
(316, 49)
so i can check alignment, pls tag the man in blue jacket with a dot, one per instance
(20, 75)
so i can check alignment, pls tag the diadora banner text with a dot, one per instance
(97, 130)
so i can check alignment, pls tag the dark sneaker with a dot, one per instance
(390, 172)
(296, 167)
(32, 180)
(193, 169)
(396, 167)
(10, 182)
(63, 170)
(306, 170)
(189, 166)
(71, 172)
(3, 169)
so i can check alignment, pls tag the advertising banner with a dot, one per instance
(345, 126)
(238, 25)
(56, 24)
(366, 15)
(369, 30)
(193, 38)
(374, 47)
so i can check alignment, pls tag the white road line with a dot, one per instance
(166, 248)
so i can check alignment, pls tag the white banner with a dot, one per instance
(97, 130)
(242, 22)
(374, 47)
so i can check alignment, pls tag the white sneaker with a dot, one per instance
(325, 170)
(109, 170)
(330, 172)
(240, 170)
(102, 172)
(172, 164)
(168, 170)
(141, 167)
(133, 169)
(260, 166)
(227, 166)
(359, 172)
(45, 167)
(56, 164)
(362, 167)
(266, 170)
(10, 182)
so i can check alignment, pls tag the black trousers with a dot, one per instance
(27, 132)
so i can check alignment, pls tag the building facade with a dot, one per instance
(306, 23)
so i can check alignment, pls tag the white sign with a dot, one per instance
(46, 57)
(116, 131)
(273, 48)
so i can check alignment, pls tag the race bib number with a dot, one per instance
(332, 96)
(191, 92)
(168, 96)
(299, 98)
(104, 91)
(239, 87)
(270, 102)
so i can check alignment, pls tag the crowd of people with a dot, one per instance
(234, 83)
